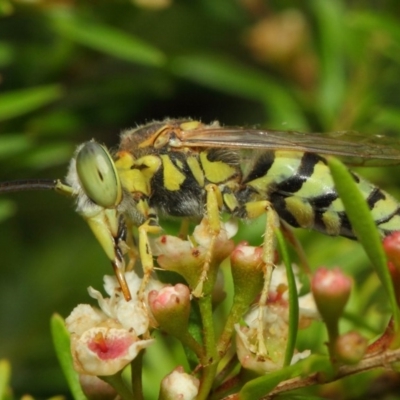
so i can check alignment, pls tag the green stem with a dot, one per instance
(239, 307)
(333, 333)
(119, 385)
(209, 361)
(188, 340)
(136, 376)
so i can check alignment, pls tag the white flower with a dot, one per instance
(132, 314)
(104, 341)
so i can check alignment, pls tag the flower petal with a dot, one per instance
(105, 351)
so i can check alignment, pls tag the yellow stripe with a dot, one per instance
(285, 165)
(313, 186)
(216, 171)
(173, 178)
(332, 223)
(301, 210)
(230, 201)
(193, 164)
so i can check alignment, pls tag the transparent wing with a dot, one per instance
(353, 147)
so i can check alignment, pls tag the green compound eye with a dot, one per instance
(98, 175)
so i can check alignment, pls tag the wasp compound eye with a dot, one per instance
(98, 175)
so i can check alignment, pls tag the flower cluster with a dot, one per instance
(107, 339)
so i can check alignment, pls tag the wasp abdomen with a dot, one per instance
(301, 189)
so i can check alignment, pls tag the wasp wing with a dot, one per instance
(351, 146)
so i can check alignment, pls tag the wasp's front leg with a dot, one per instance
(214, 204)
(110, 231)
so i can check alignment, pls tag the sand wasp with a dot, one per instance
(184, 168)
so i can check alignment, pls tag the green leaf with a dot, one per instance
(259, 387)
(387, 118)
(48, 156)
(108, 40)
(5, 8)
(364, 227)
(332, 87)
(231, 77)
(62, 345)
(7, 54)
(7, 209)
(375, 22)
(5, 375)
(12, 144)
(19, 102)
(293, 299)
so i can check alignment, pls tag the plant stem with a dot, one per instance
(136, 376)
(210, 359)
(118, 384)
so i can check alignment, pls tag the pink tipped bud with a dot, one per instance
(171, 307)
(350, 348)
(331, 290)
(391, 245)
(247, 271)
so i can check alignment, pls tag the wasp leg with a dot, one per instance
(253, 210)
(184, 229)
(130, 247)
(109, 230)
(214, 204)
(150, 226)
(118, 265)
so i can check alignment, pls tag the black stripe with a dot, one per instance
(374, 197)
(345, 227)
(387, 232)
(355, 177)
(279, 204)
(388, 217)
(344, 224)
(226, 156)
(305, 170)
(261, 166)
(323, 202)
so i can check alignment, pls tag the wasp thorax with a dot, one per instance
(98, 175)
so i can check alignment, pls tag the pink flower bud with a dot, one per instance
(171, 307)
(350, 348)
(391, 245)
(331, 290)
(247, 272)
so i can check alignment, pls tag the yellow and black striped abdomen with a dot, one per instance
(301, 189)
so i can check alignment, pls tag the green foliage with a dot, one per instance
(62, 344)
(71, 71)
(5, 374)
(364, 227)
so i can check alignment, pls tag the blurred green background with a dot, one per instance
(75, 70)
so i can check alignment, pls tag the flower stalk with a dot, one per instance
(119, 385)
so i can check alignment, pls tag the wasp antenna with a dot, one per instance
(28, 184)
